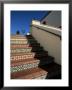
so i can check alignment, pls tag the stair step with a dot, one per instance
(43, 60)
(23, 46)
(21, 50)
(24, 64)
(27, 49)
(34, 73)
(20, 37)
(19, 46)
(46, 60)
(53, 69)
(34, 44)
(18, 56)
(22, 42)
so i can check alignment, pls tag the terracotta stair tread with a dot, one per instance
(26, 61)
(31, 44)
(13, 61)
(44, 60)
(22, 39)
(20, 46)
(27, 55)
(28, 74)
(26, 50)
(21, 36)
(18, 37)
(27, 42)
(52, 69)
(26, 47)
(24, 53)
(23, 46)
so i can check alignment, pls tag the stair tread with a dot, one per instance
(26, 48)
(52, 69)
(26, 36)
(13, 37)
(23, 46)
(28, 74)
(26, 61)
(29, 53)
(18, 36)
(49, 58)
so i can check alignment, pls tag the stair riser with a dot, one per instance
(26, 50)
(18, 37)
(33, 74)
(22, 56)
(21, 42)
(43, 62)
(21, 50)
(21, 37)
(24, 67)
(19, 46)
(23, 46)
(26, 57)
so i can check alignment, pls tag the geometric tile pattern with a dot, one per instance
(24, 65)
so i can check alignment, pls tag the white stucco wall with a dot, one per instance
(50, 42)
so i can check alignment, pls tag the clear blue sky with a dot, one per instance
(22, 19)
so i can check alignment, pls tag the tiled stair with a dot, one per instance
(29, 60)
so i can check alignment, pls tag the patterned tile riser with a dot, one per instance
(20, 46)
(23, 40)
(19, 42)
(12, 39)
(24, 67)
(18, 37)
(21, 57)
(21, 50)
(23, 43)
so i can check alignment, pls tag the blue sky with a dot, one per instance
(22, 19)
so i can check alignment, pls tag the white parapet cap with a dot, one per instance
(36, 22)
(49, 28)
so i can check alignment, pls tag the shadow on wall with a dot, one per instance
(46, 61)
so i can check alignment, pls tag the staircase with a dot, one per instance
(30, 61)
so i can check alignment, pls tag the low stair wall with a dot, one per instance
(49, 37)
